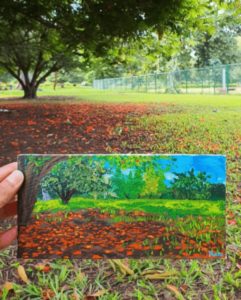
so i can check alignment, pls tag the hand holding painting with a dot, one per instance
(10, 181)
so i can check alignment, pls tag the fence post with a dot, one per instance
(227, 71)
(224, 80)
(185, 72)
(155, 82)
(213, 80)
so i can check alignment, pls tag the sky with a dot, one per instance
(213, 165)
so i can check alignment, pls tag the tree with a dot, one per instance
(154, 183)
(64, 174)
(75, 176)
(64, 179)
(217, 191)
(135, 183)
(40, 37)
(34, 170)
(191, 186)
(220, 47)
(127, 186)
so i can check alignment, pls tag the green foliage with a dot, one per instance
(217, 191)
(213, 40)
(42, 37)
(99, 176)
(75, 175)
(154, 183)
(136, 177)
(151, 182)
(121, 177)
(191, 186)
(220, 48)
(166, 208)
(128, 186)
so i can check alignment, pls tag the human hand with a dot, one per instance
(10, 181)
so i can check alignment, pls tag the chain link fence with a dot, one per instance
(219, 79)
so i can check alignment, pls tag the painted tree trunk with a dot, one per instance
(29, 190)
(65, 199)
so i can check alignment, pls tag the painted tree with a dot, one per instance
(140, 176)
(191, 186)
(154, 183)
(135, 183)
(64, 175)
(100, 180)
(76, 175)
(40, 37)
(127, 186)
(65, 178)
(34, 170)
(217, 191)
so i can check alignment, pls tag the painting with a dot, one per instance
(122, 205)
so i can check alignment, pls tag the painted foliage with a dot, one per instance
(116, 206)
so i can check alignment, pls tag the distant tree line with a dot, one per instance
(90, 178)
(196, 187)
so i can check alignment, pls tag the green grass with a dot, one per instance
(106, 96)
(170, 208)
(194, 124)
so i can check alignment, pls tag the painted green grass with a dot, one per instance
(170, 208)
(195, 218)
(109, 96)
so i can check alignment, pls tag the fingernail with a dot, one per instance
(15, 178)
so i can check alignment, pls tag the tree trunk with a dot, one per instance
(30, 92)
(65, 199)
(55, 80)
(29, 190)
(67, 196)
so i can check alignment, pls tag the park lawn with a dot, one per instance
(88, 94)
(178, 124)
(161, 207)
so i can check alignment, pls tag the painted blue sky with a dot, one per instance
(213, 165)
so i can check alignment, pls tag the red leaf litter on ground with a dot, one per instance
(42, 128)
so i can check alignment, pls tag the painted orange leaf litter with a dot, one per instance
(89, 233)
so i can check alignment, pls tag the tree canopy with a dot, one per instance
(215, 40)
(191, 186)
(75, 175)
(126, 177)
(38, 38)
